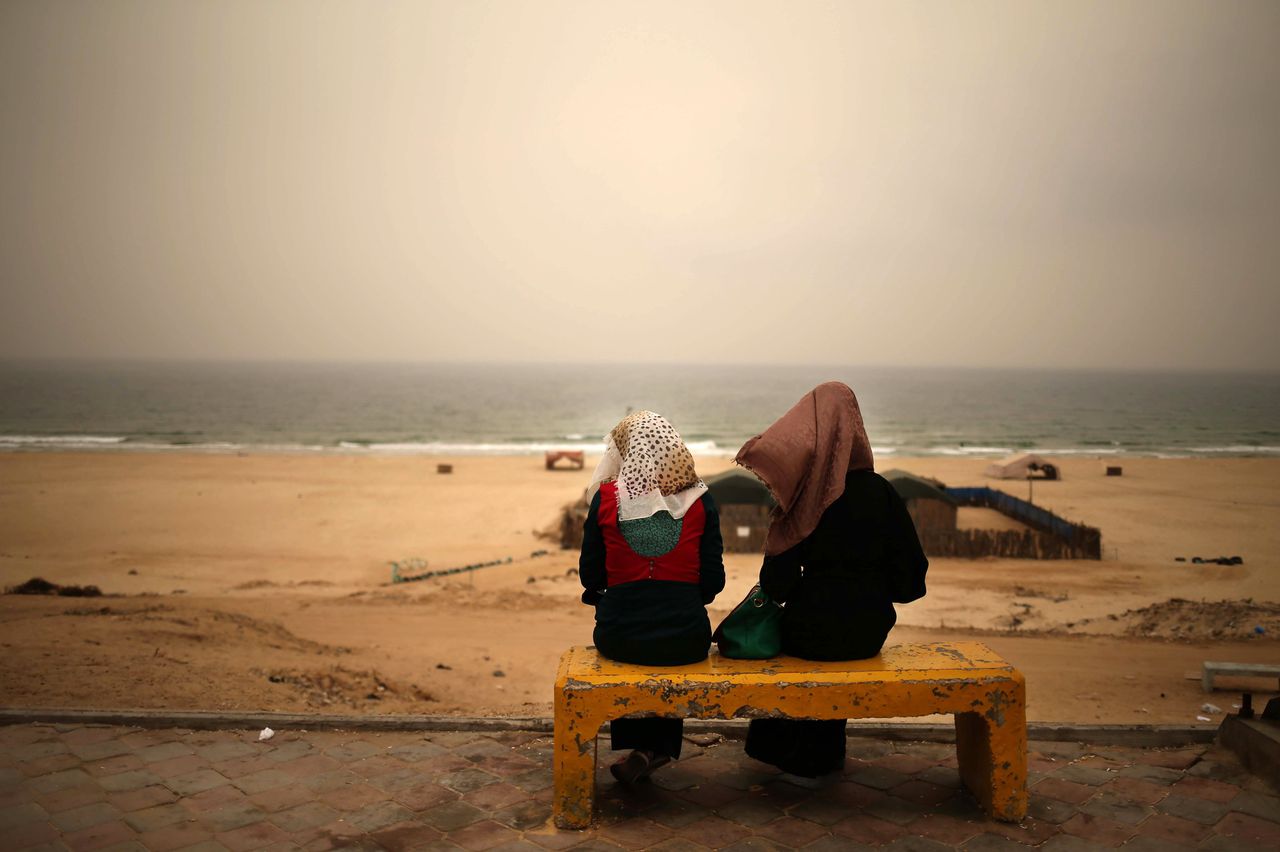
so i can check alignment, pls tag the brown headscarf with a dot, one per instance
(804, 457)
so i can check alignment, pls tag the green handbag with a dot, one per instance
(753, 631)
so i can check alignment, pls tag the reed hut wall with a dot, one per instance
(738, 516)
(1012, 544)
(931, 515)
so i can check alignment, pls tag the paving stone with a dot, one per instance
(1243, 827)
(921, 793)
(671, 844)
(326, 782)
(231, 816)
(894, 810)
(757, 844)
(379, 815)
(864, 828)
(176, 766)
(674, 813)
(532, 782)
(156, 817)
(490, 797)
(913, 843)
(1206, 788)
(947, 829)
(223, 750)
(211, 799)
(712, 832)
(750, 811)
(112, 765)
(1099, 829)
(100, 750)
(992, 843)
(1085, 775)
(1137, 790)
(1198, 810)
(1154, 774)
(60, 781)
(792, 831)
(204, 846)
(1257, 804)
(943, 776)
(1168, 828)
(163, 751)
(133, 780)
(878, 777)
(414, 752)
(352, 797)
(451, 815)
(1068, 843)
(308, 765)
(1051, 810)
(36, 750)
(406, 836)
(46, 765)
(1113, 807)
(17, 815)
(33, 834)
(71, 797)
(523, 816)
(195, 782)
(821, 811)
(176, 836)
(85, 816)
(1171, 758)
(281, 798)
(136, 800)
(1064, 791)
(99, 836)
(1147, 844)
(354, 750)
(837, 843)
(304, 816)
(426, 796)
(253, 836)
(465, 780)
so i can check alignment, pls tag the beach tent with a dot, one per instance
(1023, 466)
(737, 487)
(744, 503)
(930, 507)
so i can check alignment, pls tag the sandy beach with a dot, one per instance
(259, 581)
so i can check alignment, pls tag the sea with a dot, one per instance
(471, 409)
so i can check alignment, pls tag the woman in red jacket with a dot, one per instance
(651, 562)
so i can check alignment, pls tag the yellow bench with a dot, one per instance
(967, 679)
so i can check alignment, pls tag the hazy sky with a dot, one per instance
(1060, 184)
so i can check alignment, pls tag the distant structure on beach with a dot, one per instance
(934, 509)
(930, 506)
(1023, 466)
(744, 503)
(574, 459)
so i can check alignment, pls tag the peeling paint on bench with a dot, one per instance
(967, 679)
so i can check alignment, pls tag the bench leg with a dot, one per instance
(993, 760)
(574, 768)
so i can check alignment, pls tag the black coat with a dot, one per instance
(652, 622)
(839, 584)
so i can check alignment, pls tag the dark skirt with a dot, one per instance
(652, 623)
(813, 747)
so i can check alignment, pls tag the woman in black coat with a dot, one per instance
(841, 550)
(651, 561)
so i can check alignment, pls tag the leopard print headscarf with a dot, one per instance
(652, 466)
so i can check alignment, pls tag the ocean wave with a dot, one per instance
(502, 448)
(1236, 450)
(62, 441)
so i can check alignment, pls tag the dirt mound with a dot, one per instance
(41, 586)
(359, 689)
(1181, 619)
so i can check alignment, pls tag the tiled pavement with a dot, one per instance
(90, 787)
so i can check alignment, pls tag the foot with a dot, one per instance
(638, 766)
(631, 768)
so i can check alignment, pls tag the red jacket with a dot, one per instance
(623, 565)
